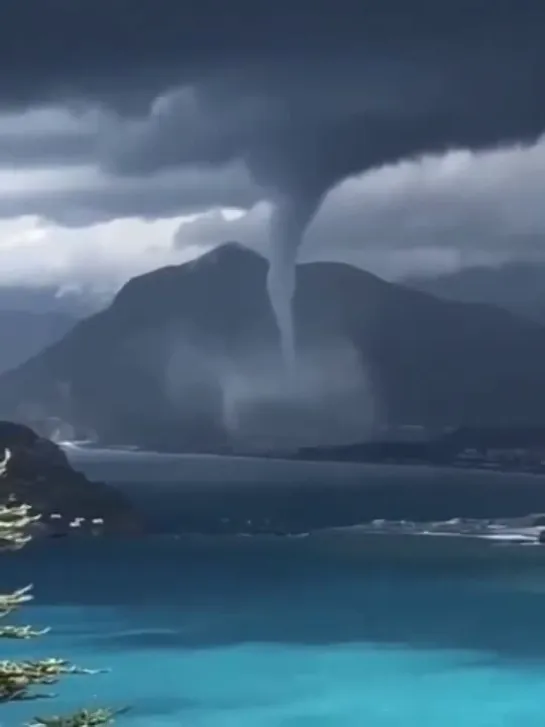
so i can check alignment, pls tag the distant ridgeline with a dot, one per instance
(525, 445)
(186, 358)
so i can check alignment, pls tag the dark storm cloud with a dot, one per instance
(94, 46)
(305, 93)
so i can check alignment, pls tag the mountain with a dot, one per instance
(187, 358)
(518, 287)
(24, 334)
(31, 319)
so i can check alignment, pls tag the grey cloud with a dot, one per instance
(91, 197)
(304, 95)
(297, 93)
(56, 136)
(41, 150)
(302, 123)
(434, 213)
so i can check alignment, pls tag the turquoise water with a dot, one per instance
(255, 634)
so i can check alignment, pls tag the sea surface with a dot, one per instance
(295, 632)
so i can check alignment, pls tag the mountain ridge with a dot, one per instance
(518, 287)
(157, 366)
(26, 333)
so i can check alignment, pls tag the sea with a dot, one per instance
(313, 630)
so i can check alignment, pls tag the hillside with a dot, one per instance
(182, 351)
(27, 333)
(518, 287)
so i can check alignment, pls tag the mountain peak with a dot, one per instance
(231, 250)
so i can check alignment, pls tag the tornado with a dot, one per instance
(291, 215)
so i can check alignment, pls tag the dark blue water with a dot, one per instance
(208, 493)
(263, 633)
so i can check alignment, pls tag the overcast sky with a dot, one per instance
(136, 133)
